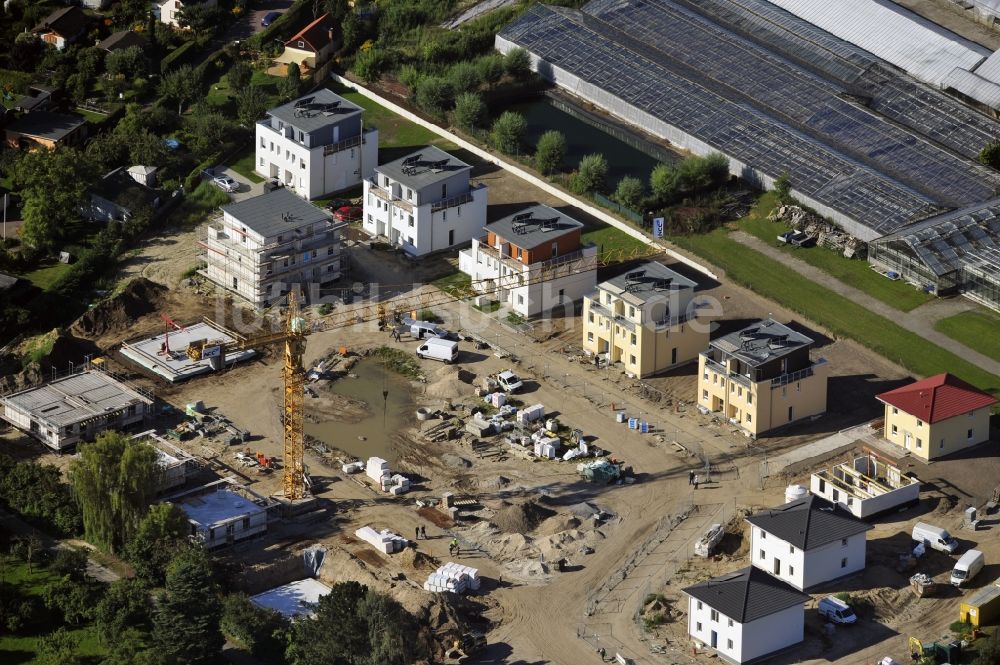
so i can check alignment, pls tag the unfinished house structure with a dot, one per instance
(867, 486)
(224, 512)
(75, 408)
(175, 463)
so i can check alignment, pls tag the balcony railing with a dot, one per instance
(792, 377)
(346, 144)
(741, 379)
(452, 202)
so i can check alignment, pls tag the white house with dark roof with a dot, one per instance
(746, 615)
(265, 244)
(533, 260)
(424, 202)
(316, 145)
(807, 542)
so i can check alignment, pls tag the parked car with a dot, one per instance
(225, 183)
(836, 611)
(799, 238)
(273, 184)
(934, 537)
(336, 204)
(269, 18)
(348, 213)
(509, 382)
(424, 329)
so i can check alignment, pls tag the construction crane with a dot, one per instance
(293, 337)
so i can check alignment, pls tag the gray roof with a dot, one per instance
(46, 124)
(315, 110)
(121, 188)
(747, 595)
(762, 341)
(275, 212)
(7, 281)
(74, 398)
(645, 281)
(534, 226)
(123, 39)
(423, 167)
(809, 523)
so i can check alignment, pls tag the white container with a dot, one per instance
(620, 416)
(795, 492)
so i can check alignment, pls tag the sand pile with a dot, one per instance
(449, 382)
(500, 546)
(570, 543)
(521, 517)
(556, 524)
(419, 561)
(138, 298)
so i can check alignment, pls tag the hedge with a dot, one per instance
(194, 178)
(177, 57)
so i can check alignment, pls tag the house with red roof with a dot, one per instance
(937, 416)
(310, 48)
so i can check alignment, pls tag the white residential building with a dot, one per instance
(746, 615)
(424, 202)
(170, 10)
(316, 145)
(807, 542)
(866, 486)
(266, 244)
(224, 512)
(533, 261)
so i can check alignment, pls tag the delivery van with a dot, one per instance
(934, 537)
(436, 348)
(836, 611)
(967, 567)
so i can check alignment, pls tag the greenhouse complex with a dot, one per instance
(889, 158)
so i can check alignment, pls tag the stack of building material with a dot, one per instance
(453, 577)
(376, 468)
(497, 399)
(545, 449)
(395, 484)
(530, 414)
(353, 467)
(384, 541)
(600, 471)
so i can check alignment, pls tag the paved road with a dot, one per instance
(920, 321)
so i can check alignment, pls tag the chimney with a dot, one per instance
(329, 34)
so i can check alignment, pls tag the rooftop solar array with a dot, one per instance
(778, 94)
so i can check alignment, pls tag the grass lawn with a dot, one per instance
(853, 272)
(91, 116)
(977, 329)
(221, 95)
(244, 165)
(457, 284)
(198, 204)
(46, 276)
(614, 244)
(837, 314)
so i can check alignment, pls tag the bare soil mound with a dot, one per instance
(417, 560)
(138, 298)
(521, 517)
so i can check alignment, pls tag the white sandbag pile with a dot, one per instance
(384, 541)
(530, 414)
(453, 577)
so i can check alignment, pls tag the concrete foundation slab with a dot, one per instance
(150, 352)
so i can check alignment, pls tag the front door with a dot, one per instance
(906, 440)
(715, 640)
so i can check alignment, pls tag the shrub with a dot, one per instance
(507, 132)
(470, 111)
(435, 95)
(629, 192)
(370, 64)
(783, 188)
(990, 155)
(517, 63)
(464, 77)
(410, 76)
(177, 57)
(663, 183)
(593, 172)
(550, 152)
(490, 68)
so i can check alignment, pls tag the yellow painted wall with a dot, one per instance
(940, 439)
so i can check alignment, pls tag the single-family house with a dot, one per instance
(170, 10)
(644, 319)
(45, 129)
(310, 48)
(937, 416)
(121, 40)
(533, 260)
(424, 202)
(117, 197)
(62, 27)
(37, 98)
(807, 542)
(745, 616)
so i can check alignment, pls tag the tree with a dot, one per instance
(550, 152)
(490, 68)
(29, 549)
(508, 131)
(352, 31)
(53, 186)
(517, 63)
(176, 85)
(783, 187)
(288, 87)
(251, 105)
(70, 562)
(435, 95)
(337, 9)
(125, 605)
(663, 183)
(159, 536)
(263, 632)
(209, 130)
(593, 172)
(629, 192)
(990, 155)
(36, 493)
(74, 600)
(470, 111)
(360, 626)
(186, 624)
(370, 63)
(128, 650)
(200, 17)
(26, 51)
(464, 77)
(128, 62)
(58, 648)
(145, 147)
(115, 479)
(988, 651)
(240, 75)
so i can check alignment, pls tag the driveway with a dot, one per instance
(249, 23)
(247, 189)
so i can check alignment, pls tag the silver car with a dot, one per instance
(225, 183)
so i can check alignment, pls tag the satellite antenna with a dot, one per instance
(549, 224)
(410, 164)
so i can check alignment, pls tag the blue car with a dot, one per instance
(270, 18)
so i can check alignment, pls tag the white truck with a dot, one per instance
(508, 381)
(437, 348)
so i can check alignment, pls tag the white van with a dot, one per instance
(436, 348)
(967, 567)
(934, 537)
(424, 329)
(836, 611)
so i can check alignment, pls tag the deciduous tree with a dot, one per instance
(159, 536)
(53, 186)
(240, 75)
(550, 152)
(251, 105)
(177, 86)
(126, 605)
(508, 131)
(517, 63)
(592, 173)
(470, 111)
(629, 192)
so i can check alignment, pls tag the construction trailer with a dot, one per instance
(175, 463)
(224, 512)
(76, 407)
(867, 486)
(982, 608)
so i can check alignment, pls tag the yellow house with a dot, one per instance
(937, 416)
(310, 48)
(645, 320)
(761, 377)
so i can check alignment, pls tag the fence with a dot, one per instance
(614, 206)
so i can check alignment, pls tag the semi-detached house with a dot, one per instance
(316, 145)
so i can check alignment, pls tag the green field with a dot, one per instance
(853, 272)
(834, 312)
(614, 244)
(978, 329)
(457, 284)
(46, 276)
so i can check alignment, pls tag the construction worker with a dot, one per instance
(454, 544)
(416, 534)
(691, 477)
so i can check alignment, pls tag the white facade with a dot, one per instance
(740, 643)
(224, 516)
(866, 487)
(806, 568)
(170, 10)
(545, 284)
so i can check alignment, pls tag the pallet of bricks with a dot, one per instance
(453, 577)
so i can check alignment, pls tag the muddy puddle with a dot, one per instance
(384, 415)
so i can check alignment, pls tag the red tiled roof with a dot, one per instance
(316, 35)
(938, 398)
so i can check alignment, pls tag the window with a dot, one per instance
(705, 375)
(410, 222)
(704, 394)
(749, 418)
(763, 534)
(777, 567)
(444, 190)
(590, 337)
(941, 444)
(843, 562)
(699, 607)
(895, 430)
(301, 44)
(444, 215)
(895, 411)
(920, 423)
(714, 615)
(729, 643)
(555, 250)
(968, 435)
(791, 571)
(749, 398)
(302, 136)
(631, 311)
(633, 339)
(263, 143)
(843, 542)
(262, 161)
(520, 300)
(739, 392)
(631, 359)
(329, 250)
(920, 444)
(697, 626)
(791, 549)
(763, 555)
(302, 163)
